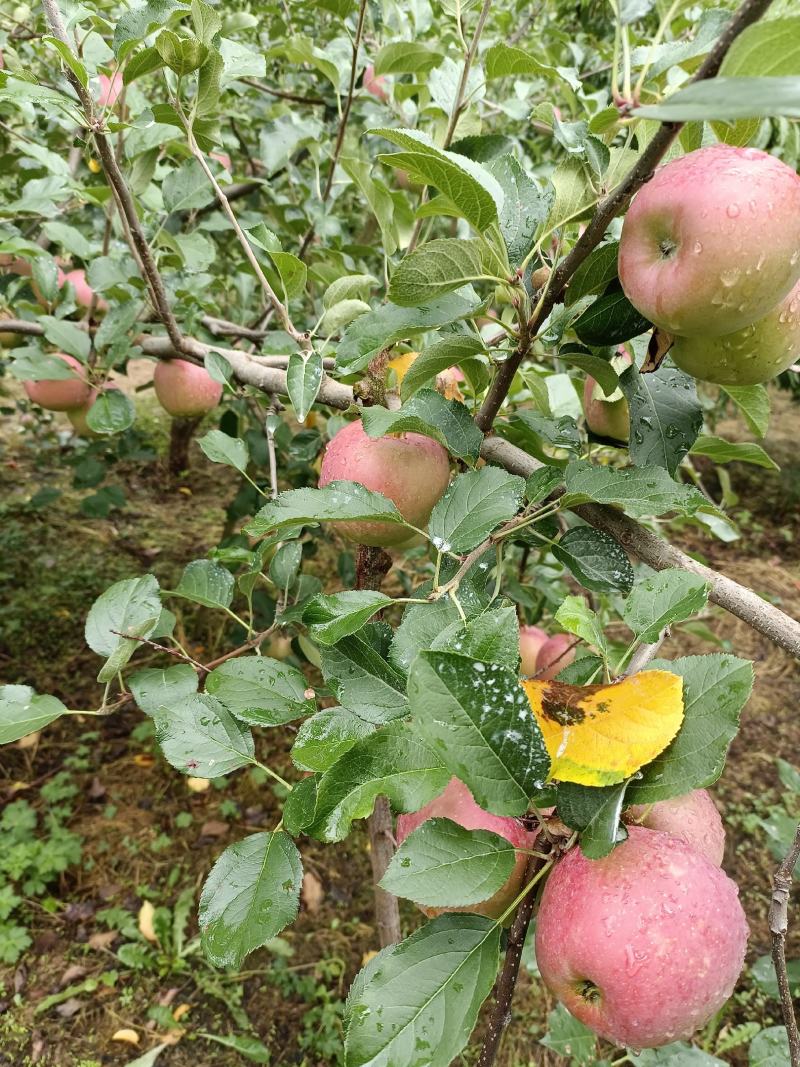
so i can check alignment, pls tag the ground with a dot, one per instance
(99, 784)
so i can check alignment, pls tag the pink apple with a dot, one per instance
(223, 158)
(456, 803)
(555, 654)
(531, 639)
(712, 242)
(63, 393)
(83, 291)
(375, 84)
(749, 356)
(692, 817)
(608, 416)
(410, 469)
(184, 389)
(645, 945)
(110, 88)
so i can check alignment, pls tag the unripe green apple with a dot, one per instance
(63, 393)
(531, 639)
(749, 356)
(645, 945)
(712, 242)
(555, 654)
(692, 817)
(7, 338)
(456, 803)
(410, 469)
(608, 416)
(185, 390)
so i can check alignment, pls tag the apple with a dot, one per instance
(110, 88)
(644, 945)
(410, 469)
(376, 85)
(7, 338)
(749, 356)
(63, 393)
(83, 291)
(712, 242)
(185, 389)
(608, 416)
(223, 158)
(77, 416)
(456, 803)
(555, 654)
(531, 639)
(692, 817)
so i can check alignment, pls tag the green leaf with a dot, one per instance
(36, 366)
(144, 62)
(574, 194)
(392, 762)
(71, 240)
(69, 57)
(181, 54)
(421, 625)
(676, 1055)
(406, 57)
(67, 337)
(577, 618)
(130, 607)
(426, 994)
(474, 504)
(348, 287)
(753, 402)
(250, 1047)
(728, 99)
(542, 483)
(261, 691)
(528, 429)
(219, 447)
(205, 582)
(596, 559)
(763, 975)
(640, 493)
(141, 21)
(358, 672)
(477, 716)
(112, 412)
(602, 370)
(610, 320)
(525, 207)
(332, 617)
(443, 865)
(199, 736)
(663, 599)
(568, 1037)
(721, 451)
(715, 689)
(303, 379)
(369, 334)
(666, 416)
(503, 60)
(446, 421)
(326, 736)
(337, 500)
(378, 197)
(491, 637)
(436, 358)
(22, 711)
(770, 1048)
(299, 49)
(438, 267)
(206, 20)
(468, 185)
(595, 812)
(208, 85)
(186, 188)
(251, 894)
(220, 370)
(154, 687)
(595, 274)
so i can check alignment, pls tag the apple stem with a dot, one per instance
(778, 925)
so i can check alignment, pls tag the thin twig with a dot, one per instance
(644, 654)
(616, 202)
(778, 925)
(296, 98)
(161, 648)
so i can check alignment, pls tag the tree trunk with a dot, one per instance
(180, 437)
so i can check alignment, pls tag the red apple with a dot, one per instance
(223, 158)
(63, 393)
(555, 654)
(608, 416)
(184, 389)
(749, 356)
(692, 817)
(712, 242)
(110, 88)
(645, 945)
(456, 803)
(531, 639)
(376, 85)
(410, 469)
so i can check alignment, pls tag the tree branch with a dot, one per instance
(778, 925)
(616, 202)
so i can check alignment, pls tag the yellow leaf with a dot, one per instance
(146, 915)
(180, 1011)
(401, 364)
(198, 785)
(601, 734)
(130, 1037)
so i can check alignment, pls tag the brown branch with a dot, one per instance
(161, 648)
(297, 98)
(778, 925)
(615, 203)
(337, 148)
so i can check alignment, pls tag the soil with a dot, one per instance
(147, 836)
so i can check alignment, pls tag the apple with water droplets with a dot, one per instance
(457, 804)
(410, 469)
(608, 416)
(693, 817)
(184, 389)
(712, 242)
(645, 945)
